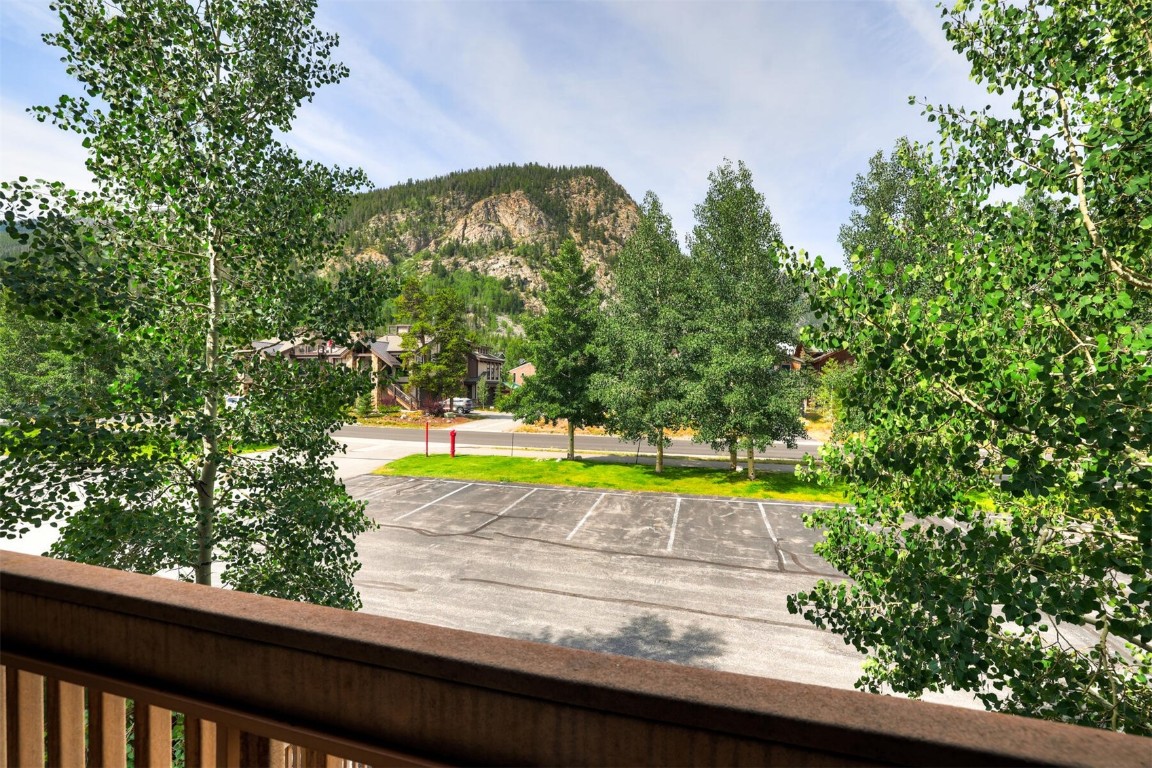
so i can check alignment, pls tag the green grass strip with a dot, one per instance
(699, 481)
(254, 447)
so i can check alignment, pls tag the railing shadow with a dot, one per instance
(647, 636)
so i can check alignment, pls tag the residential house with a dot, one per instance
(484, 370)
(815, 359)
(521, 372)
(384, 358)
(311, 349)
(791, 360)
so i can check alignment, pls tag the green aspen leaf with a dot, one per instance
(126, 270)
(1024, 390)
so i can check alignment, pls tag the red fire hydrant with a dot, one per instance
(452, 443)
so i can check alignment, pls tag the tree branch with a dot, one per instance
(1080, 343)
(1129, 276)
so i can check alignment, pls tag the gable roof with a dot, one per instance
(272, 346)
(486, 357)
(381, 350)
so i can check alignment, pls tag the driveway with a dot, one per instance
(490, 421)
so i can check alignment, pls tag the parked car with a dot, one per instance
(459, 404)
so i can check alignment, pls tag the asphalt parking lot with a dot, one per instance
(693, 580)
(729, 533)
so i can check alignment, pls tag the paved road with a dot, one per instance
(515, 441)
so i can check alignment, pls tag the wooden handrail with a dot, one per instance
(386, 691)
(403, 397)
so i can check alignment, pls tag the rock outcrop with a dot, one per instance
(501, 222)
(496, 218)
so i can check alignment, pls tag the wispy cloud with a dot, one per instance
(26, 19)
(39, 150)
(923, 18)
(656, 92)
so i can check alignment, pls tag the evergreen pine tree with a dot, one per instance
(561, 343)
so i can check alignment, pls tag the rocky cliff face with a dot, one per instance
(499, 222)
(496, 218)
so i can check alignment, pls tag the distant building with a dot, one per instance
(484, 370)
(384, 357)
(815, 359)
(521, 372)
(791, 356)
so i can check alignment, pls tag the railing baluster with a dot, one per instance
(25, 697)
(227, 747)
(276, 754)
(152, 739)
(65, 723)
(298, 757)
(253, 749)
(199, 742)
(4, 716)
(107, 730)
(310, 758)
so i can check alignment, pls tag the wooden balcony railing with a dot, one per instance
(260, 681)
(401, 397)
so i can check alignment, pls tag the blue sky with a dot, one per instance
(658, 93)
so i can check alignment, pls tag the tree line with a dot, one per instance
(698, 340)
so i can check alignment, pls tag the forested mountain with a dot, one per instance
(498, 222)
(9, 244)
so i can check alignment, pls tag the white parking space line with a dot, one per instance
(403, 481)
(585, 518)
(768, 525)
(675, 521)
(434, 501)
(376, 493)
(501, 512)
(632, 494)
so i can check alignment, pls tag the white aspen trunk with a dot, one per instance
(660, 452)
(751, 461)
(206, 482)
(571, 440)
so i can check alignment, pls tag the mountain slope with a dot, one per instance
(498, 221)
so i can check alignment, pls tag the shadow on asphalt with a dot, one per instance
(647, 636)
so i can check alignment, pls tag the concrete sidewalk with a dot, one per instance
(492, 421)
